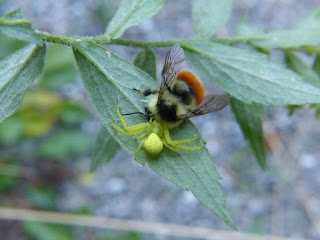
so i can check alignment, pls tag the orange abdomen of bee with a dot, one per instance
(194, 83)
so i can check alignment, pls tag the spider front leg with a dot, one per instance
(176, 144)
(126, 130)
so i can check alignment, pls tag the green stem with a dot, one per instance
(132, 43)
(103, 39)
(106, 39)
(244, 40)
(58, 39)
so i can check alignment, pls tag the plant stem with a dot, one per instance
(132, 43)
(106, 39)
(103, 39)
(57, 39)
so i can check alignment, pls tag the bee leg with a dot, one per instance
(139, 91)
(146, 92)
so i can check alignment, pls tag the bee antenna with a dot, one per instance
(126, 114)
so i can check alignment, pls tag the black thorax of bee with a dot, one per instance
(167, 110)
(183, 92)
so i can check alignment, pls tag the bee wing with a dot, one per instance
(173, 64)
(210, 103)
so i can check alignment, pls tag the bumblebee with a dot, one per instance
(181, 96)
(181, 93)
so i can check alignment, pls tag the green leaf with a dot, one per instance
(131, 13)
(110, 81)
(44, 231)
(249, 76)
(307, 33)
(104, 149)
(244, 30)
(296, 64)
(305, 36)
(146, 60)
(15, 25)
(316, 64)
(311, 21)
(209, 15)
(295, 38)
(249, 117)
(9, 45)
(17, 72)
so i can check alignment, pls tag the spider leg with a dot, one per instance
(137, 128)
(189, 148)
(126, 130)
(138, 148)
(125, 125)
(140, 136)
(168, 146)
(176, 144)
(130, 131)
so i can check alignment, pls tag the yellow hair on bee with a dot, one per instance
(170, 99)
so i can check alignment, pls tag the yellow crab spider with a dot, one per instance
(154, 135)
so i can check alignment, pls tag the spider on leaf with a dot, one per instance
(154, 135)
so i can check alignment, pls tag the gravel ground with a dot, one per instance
(281, 201)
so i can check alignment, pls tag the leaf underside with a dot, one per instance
(249, 76)
(15, 25)
(106, 147)
(131, 13)
(110, 81)
(17, 73)
(249, 118)
(209, 15)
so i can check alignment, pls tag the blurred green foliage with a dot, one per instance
(59, 68)
(123, 236)
(8, 179)
(64, 144)
(45, 132)
(104, 11)
(241, 167)
(43, 196)
(44, 231)
(40, 112)
(259, 226)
